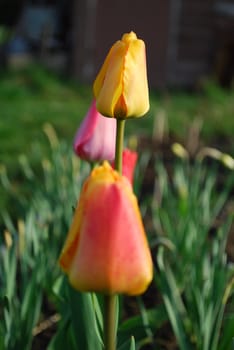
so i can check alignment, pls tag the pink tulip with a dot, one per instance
(106, 249)
(95, 139)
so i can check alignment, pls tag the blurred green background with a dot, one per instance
(33, 96)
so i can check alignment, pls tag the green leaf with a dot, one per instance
(2, 346)
(227, 338)
(128, 345)
(64, 337)
(132, 345)
(99, 308)
(59, 287)
(9, 269)
(136, 325)
(173, 302)
(84, 321)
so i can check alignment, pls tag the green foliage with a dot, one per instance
(31, 97)
(28, 260)
(188, 239)
(195, 278)
(78, 328)
(20, 299)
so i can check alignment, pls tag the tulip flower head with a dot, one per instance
(95, 139)
(121, 86)
(106, 248)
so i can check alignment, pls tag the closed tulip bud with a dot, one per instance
(95, 139)
(106, 248)
(121, 87)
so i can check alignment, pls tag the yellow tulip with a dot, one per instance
(121, 87)
(106, 248)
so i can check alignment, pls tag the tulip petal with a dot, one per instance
(102, 143)
(86, 130)
(135, 92)
(108, 85)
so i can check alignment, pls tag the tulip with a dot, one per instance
(106, 249)
(95, 139)
(121, 86)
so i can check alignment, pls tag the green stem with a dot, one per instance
(119, 144)
(110, 321)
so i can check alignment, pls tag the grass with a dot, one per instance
(214, 106)
(31, 97)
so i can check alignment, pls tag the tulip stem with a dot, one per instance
(119, 144)
(110, 322)
(110, 317)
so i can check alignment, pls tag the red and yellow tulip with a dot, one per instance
(106, 248)
(121, 87)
